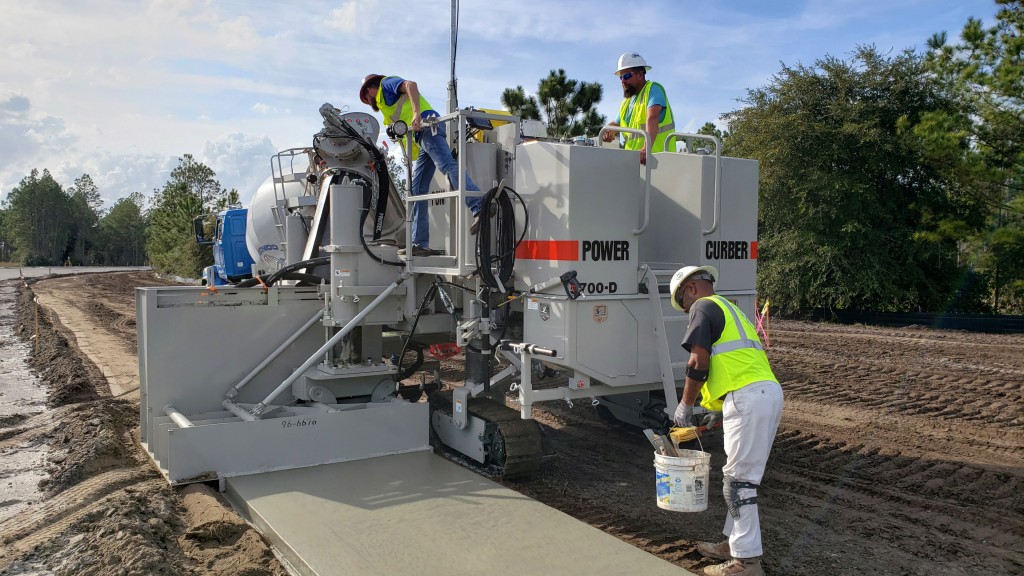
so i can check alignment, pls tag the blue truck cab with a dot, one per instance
(231, 260)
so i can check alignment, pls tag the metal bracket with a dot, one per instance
(460, 406)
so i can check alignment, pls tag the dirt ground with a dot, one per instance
(901, 452)
(104, 509)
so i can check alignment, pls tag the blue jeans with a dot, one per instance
(434, 152)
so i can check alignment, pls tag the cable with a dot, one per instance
(506, 243)
(379, 164)
(364, 212)
(403, 374)
(418, 349)
(304, 279)
(454, 285)
(279, 274)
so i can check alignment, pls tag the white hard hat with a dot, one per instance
(631, 60)
(680, 277)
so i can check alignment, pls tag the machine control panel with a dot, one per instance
(363, 123)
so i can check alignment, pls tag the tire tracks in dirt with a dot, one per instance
(900, 453)
(888, 460)
(109, 512)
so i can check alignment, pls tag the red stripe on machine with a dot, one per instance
(753, 250)
(548, 250)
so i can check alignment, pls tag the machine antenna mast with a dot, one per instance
(453, 83)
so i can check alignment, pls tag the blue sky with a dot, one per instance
(120, 88)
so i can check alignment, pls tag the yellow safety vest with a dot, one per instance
(638, 121)
(737, 358)
(401, 110)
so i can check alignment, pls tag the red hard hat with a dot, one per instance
(366, 82)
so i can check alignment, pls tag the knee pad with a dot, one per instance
(731, 490)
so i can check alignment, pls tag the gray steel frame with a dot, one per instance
(179, 327)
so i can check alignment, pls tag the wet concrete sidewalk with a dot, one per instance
(418, 513)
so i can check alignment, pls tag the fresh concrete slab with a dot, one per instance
(418, 513)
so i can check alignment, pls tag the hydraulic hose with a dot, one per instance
(380, 163)
(270, 279)
(495, 263)
(403, 374)
(304, 279)
(364, 212)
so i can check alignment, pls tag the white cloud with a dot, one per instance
(238, 34)
(25, 135)
(21, 50)
(121, 88)
(116, 175)
(241, 161)
(344, 18)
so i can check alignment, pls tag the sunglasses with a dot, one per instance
(626, 76)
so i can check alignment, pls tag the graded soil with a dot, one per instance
(901, 452)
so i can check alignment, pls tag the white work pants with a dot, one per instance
(750, 418)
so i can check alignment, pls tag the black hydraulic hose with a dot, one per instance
(403, 374)
(304, 279)
(454, 285)
(380, 167)
(505, 242)
(274, 277)
(364, 212)
(409, 371)
(311, 263)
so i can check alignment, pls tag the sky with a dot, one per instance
(121, 89)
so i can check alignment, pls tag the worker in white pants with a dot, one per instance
(730, 371)
(750, 418)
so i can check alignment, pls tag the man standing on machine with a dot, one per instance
(399, 100)
(644, 107)
(729, 368)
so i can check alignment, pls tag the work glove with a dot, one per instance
(710, 419)
(683, 416)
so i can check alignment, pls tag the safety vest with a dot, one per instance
(638, 121)
(401, 110)
(737, 358)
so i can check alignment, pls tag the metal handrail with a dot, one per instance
(459, 120)
(647, 173)
(277, 177)
(718, 174)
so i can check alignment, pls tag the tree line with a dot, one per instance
(893, 182)
(45, 224)
(888, 181)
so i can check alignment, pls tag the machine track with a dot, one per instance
(512, 444)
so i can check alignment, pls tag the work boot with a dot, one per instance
(718, 551)
(416, 251)
(736, 567)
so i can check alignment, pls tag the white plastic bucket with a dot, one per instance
(682, 481)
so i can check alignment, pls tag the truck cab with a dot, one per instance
(231, 260)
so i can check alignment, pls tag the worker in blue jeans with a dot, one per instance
(400, 99)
